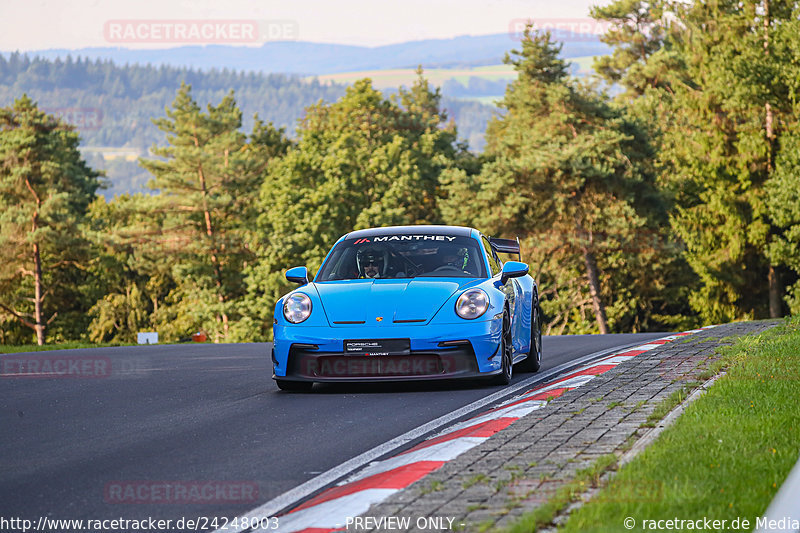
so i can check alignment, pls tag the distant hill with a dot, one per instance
(307, 58)
(113, 106)
(484, 83)
(111, 94)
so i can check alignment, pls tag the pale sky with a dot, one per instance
(42, 24)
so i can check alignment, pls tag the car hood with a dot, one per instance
(386, 302)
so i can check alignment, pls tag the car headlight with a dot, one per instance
(297, 307)
(472, 304)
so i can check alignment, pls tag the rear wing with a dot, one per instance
(506, 246)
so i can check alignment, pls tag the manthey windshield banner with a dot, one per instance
(412, 238)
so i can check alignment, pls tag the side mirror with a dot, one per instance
(300, 275)
(512, 269)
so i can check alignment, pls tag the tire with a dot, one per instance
(533, 362)
(294, 386)
(506, 352)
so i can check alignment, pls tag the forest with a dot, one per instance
(673, 203)
(113, 105)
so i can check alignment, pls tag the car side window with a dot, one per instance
(494, 263)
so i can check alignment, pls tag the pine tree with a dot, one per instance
(45, 189)
(636, 33)
(722, 128)
(783, 187)
(569, 175)
(360, 162)
(133, 279)
(207, 181)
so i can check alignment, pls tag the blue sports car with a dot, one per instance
(408, 303)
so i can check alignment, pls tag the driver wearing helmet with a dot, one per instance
(370, 263)
(455, 258)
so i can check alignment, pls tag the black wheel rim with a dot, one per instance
(507, 348)
(538, 331)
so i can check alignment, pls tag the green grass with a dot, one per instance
(63, 346)
(476, 507)
(477, 478)
(639, 405)
(726, 455)
(668, 404)
(393, 78)
(571, 491)
(433, 486)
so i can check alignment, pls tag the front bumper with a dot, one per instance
(317, 353)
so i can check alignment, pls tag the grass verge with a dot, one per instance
(21, 348)
(570, 492)
(726, 455)
(671, 402)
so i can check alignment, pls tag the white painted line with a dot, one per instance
(290, 497)
(646, 347)
(571, 383)
(328, 514)
(617, 359)
(442, 451)
(513, 411)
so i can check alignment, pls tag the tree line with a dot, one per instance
(126, 97)
(671, 204)
(113, 104)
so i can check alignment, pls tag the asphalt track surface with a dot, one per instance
(199, 413)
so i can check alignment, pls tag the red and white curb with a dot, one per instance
(330, 510)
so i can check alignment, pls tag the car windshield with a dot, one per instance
(404, 256)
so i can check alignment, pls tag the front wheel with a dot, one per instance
(294, 386)
(506, 347)
(533, 361)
